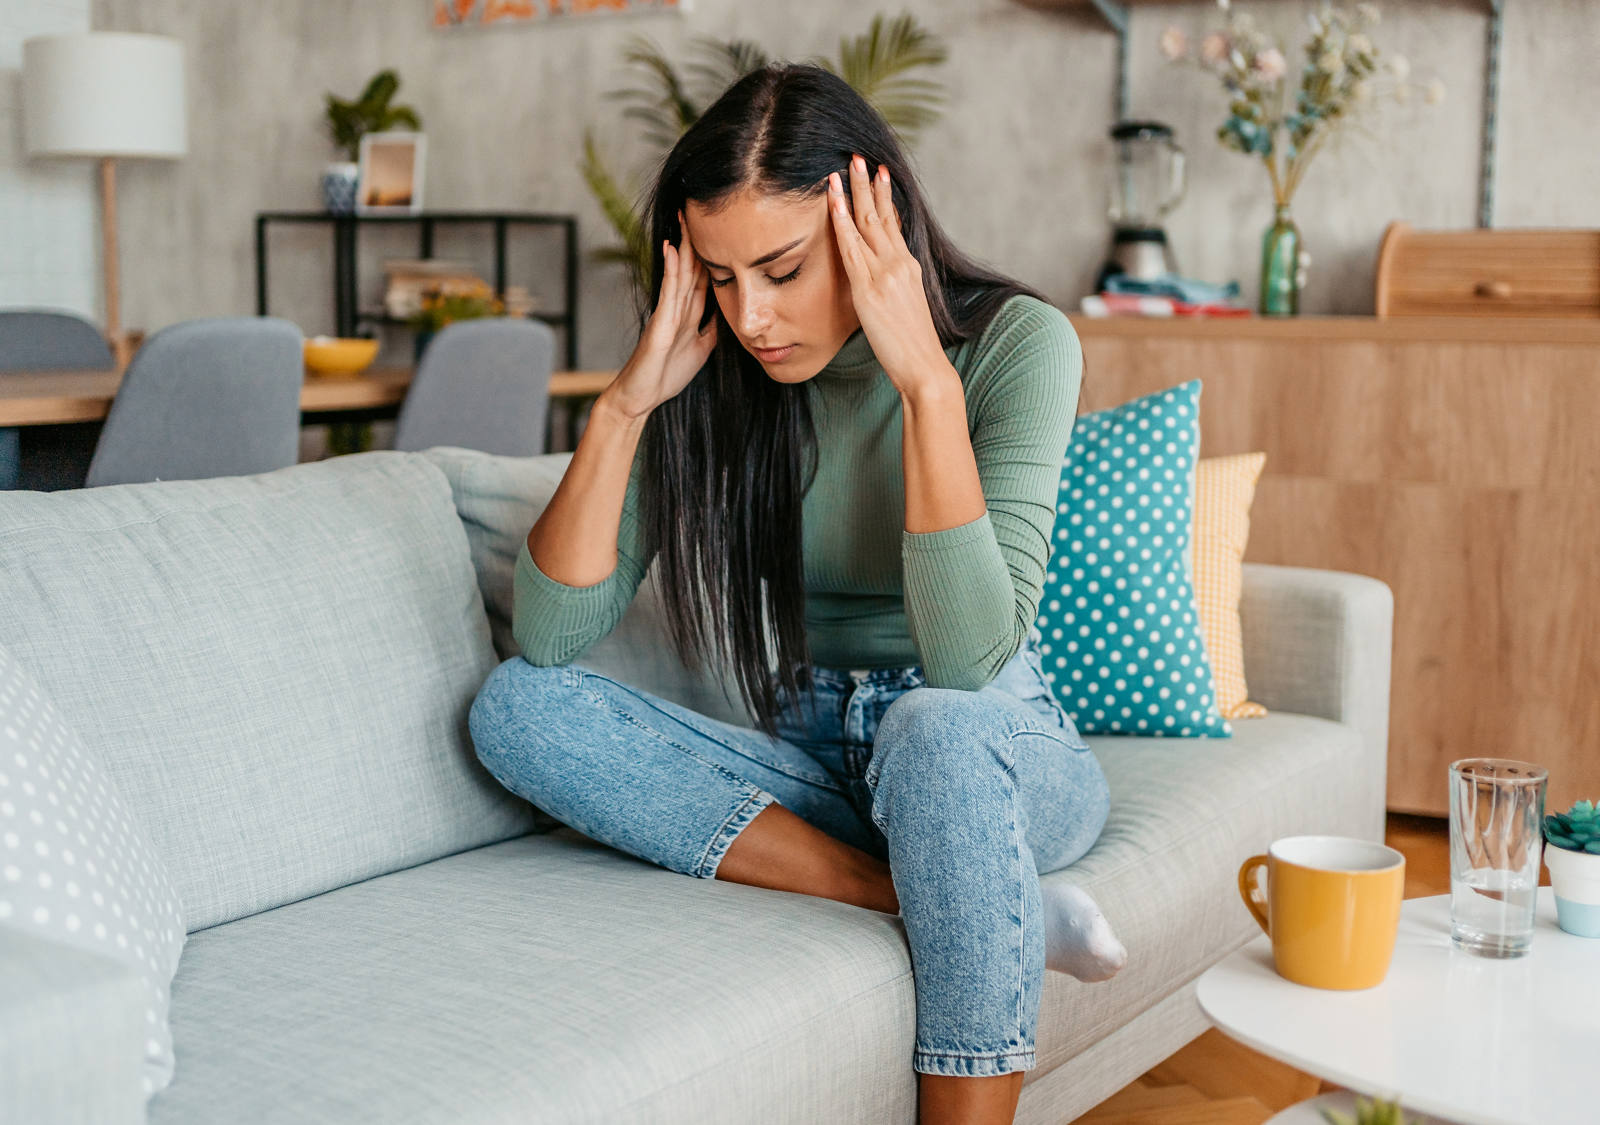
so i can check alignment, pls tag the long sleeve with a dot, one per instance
(553, 622)
(972, 592)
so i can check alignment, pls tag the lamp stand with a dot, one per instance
(108, 230)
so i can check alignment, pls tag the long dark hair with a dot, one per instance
(728, 460)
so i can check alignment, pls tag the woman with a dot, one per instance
(848, 476)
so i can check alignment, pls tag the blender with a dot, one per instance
(1147, 183)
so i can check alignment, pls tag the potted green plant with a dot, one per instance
(347, 123)
(1283, 118)
(450, 301)
(876, 64)
(1573, 856)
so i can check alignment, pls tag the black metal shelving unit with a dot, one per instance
(347, 316)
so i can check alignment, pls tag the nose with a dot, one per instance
(754, 316)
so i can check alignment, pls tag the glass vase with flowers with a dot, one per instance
(1285, 123)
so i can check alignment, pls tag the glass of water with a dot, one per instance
(1496, 842)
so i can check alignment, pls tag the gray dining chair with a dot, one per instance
(44, 340)
(217, 397)
(482, 384)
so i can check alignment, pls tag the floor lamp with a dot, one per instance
(105, 94)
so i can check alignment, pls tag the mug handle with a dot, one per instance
(1247, 888)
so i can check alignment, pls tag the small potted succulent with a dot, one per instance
(1370, 1112)
(1573, 857)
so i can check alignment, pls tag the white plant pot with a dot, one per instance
(1575, 879)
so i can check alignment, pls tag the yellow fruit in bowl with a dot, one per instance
(339, 355)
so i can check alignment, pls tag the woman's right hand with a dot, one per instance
(672, 350)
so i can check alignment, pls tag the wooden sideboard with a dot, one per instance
(1456, 459)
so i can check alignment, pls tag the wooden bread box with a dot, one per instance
(1538, 273)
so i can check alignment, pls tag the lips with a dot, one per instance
(773, 355)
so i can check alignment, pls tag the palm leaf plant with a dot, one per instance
(883, 64)
(371, 112)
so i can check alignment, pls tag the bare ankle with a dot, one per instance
(990, 1099)
(875, 886)
(783, 852)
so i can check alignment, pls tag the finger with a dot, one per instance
(695, 272)
(851, 248)
(886, 208)
(697, 297)
(685, 256)
(695, 293)
(697, 310)
(687, 270)
(669, 276)
(685, 246)
(701, 344)
(867, 218)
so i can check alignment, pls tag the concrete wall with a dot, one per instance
(1016, 169)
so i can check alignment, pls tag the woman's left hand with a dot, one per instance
(885, 280)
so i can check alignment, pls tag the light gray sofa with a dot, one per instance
(275, 671)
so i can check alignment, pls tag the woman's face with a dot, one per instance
(799, 299)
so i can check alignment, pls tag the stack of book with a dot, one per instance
(1130, 304)
(1169, 295)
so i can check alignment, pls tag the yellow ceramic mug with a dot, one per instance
(1333, 908)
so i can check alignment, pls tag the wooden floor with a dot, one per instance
(1215, 1081)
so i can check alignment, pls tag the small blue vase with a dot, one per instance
(339, 187)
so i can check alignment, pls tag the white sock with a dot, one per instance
(1077, 938)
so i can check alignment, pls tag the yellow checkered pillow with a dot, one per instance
(1224, 488)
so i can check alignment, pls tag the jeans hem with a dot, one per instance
(956, 1065)
(723, 839)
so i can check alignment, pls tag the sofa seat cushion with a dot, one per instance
(546, 978)
(1165, 869)
(552, 978)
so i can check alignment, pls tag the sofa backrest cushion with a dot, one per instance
(274, 669)
(498, 499)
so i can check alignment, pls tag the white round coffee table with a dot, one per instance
(1453, 1036)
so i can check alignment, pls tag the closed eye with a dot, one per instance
(715, 284)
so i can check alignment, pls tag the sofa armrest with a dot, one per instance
(1318, 642)
(71, 1034)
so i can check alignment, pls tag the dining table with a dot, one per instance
(61, 411)
(43, 398)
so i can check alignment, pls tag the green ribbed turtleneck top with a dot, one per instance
(959, 602)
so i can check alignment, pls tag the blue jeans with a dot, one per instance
(967, 795)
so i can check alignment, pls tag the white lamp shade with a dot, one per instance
(104, 93)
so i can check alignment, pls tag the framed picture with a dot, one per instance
(390, 179)
(514, 13)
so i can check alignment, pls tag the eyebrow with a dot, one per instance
(761, 261)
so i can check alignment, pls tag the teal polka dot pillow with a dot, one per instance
(1122, 643)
